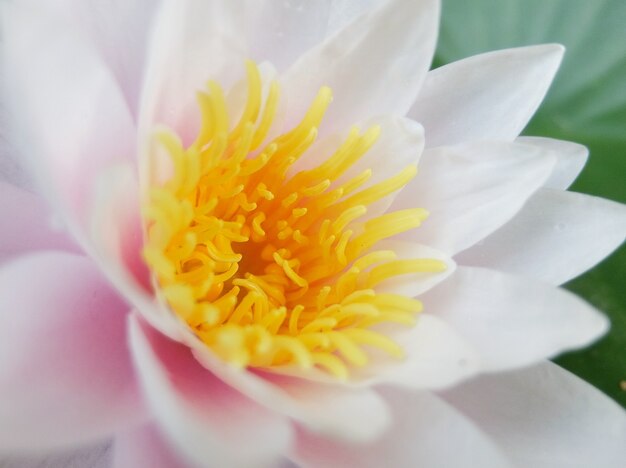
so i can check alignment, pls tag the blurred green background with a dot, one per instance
(586, 104)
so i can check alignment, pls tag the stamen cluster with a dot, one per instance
(271, 268)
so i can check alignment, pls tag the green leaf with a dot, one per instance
(586, 104)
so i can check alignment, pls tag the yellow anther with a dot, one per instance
(268, 115)
(253, 105)
(256, 224)
(404, 267)
(348, 216)
(332, 364)
(388, 225)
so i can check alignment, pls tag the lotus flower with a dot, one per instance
(280, 238)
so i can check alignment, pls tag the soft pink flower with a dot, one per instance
(90, 350)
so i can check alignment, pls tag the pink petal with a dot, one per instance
(427, 432)
(116, 230)
(27, 224)
(65, 375)
(545, 417)
(145, 447)
(205, 418)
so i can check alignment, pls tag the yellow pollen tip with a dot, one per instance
(272, 269)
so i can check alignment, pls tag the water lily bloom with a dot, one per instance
(279, 238)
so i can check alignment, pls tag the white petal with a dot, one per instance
(471, 190)
(11, 171)
(357, 414)
(555, 237)
(512, 321)
(545, 417)
(436, 356)
(374, 66)
(117, 29)
(427, 432)
(343, 12)
(280, 32)
(205, 418)
(485, 97)
(570, 159)
(70, 120)
(192, 42)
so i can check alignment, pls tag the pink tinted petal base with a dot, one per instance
(348, 413)
(116, 226)
(204, 417)
(66, 377)
(117, 236)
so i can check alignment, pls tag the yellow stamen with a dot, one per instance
(271, 269)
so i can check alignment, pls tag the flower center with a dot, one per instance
(270, 268)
